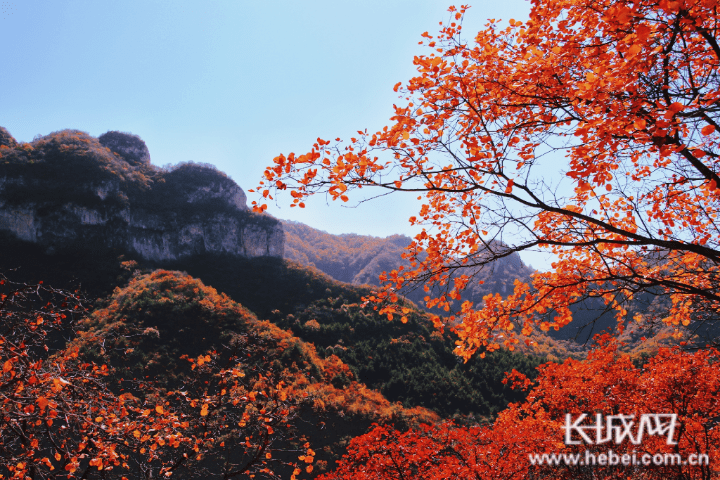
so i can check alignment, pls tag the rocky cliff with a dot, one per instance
(69, 189)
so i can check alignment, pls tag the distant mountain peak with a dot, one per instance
(360, 259)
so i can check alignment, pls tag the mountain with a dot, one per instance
(360, 259)
(350, 258)
(152, 331)
(178, 268)
(68, 187)
(136, 218)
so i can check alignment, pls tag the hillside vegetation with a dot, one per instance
(360, 259)
(408, 362)
(160, 327)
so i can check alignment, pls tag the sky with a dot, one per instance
(232, 83)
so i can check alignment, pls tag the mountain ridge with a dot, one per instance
(69, 187)
(360, 259)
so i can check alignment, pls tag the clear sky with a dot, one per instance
(233, 83)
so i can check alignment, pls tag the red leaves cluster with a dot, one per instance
(672, 382)
(58, 417)
(62, 417)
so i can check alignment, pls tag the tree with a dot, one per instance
(65, 415)
(172, 341)
(606, 383)
(589, 131)
(252, 398)
(58, 418)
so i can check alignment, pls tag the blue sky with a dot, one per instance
(233, 83)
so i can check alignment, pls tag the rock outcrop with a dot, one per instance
(131, 147)
(69, 189)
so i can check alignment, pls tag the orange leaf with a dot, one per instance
(509, 187)
(708, 130)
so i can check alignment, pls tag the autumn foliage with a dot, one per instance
(617, 98)
(606, 383)
(170, 377)
(240, 385)
(87, 410)
(59, 418)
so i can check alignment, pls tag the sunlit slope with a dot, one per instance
(154, 332)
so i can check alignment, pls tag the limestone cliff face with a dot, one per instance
(156, 238)
(69, 189)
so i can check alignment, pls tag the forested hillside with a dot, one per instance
(350, 258)
(162, 327)
(410, 362)
(360, 259)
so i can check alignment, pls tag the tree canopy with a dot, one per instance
(673, 382)
(589, 131)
